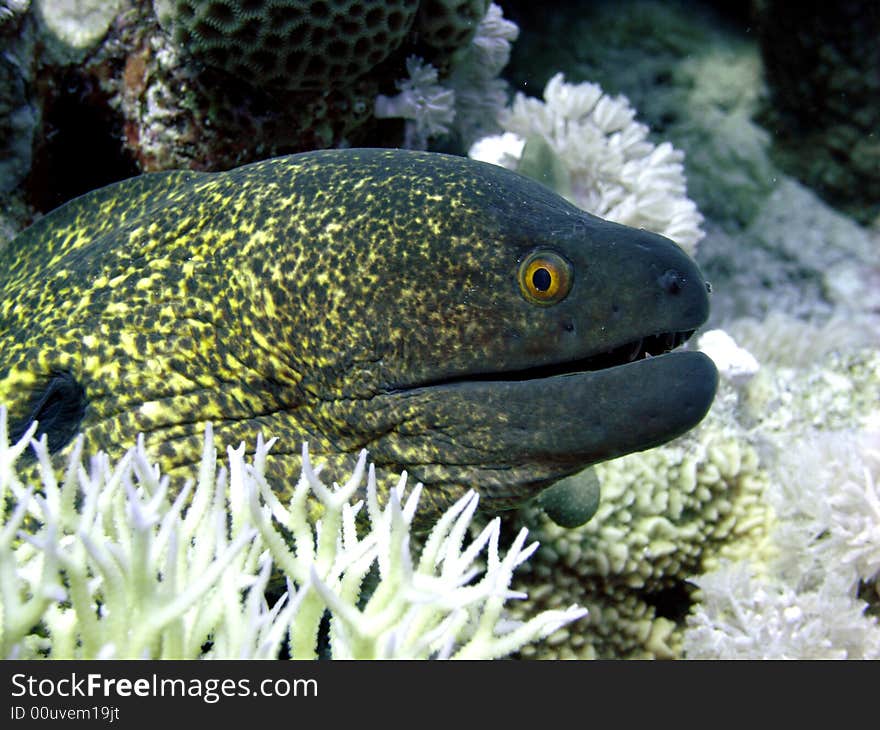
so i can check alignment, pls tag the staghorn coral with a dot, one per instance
(102, 563)
(613, 170)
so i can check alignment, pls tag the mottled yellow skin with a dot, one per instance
(345, 298)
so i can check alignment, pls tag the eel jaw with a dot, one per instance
(640, 349)
(514, 436)
(513, 433)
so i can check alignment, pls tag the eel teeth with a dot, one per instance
(636, 352)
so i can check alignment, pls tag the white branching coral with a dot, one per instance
(855, 510)
(744, 616)
(480, 95)
(106, 563)
(468, 101)
(428, 107)
(615, 171)
(808, 595)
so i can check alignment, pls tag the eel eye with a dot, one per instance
(544, 278)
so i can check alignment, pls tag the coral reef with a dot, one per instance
(664, 515)
(218, 84)
(789, 441)
(313, 76)
(775, 490)
(809, 597)
(101, 563)
(754, 535)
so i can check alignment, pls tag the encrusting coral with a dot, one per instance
(664, 515)
(104, 564)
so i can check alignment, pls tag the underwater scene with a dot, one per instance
(424, 329)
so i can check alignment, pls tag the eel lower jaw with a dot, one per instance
(514, 437)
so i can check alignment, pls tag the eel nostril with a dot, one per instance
(671, 281)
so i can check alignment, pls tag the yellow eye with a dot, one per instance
(544, 278)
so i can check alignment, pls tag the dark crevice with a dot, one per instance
(673, 603)
(79, 148)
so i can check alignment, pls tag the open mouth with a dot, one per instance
(639, 349)
(632, 351)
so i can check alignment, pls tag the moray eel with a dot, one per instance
(456, 319)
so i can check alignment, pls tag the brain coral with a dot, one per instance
(292, 44)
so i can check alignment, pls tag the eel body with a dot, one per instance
(458, 320)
